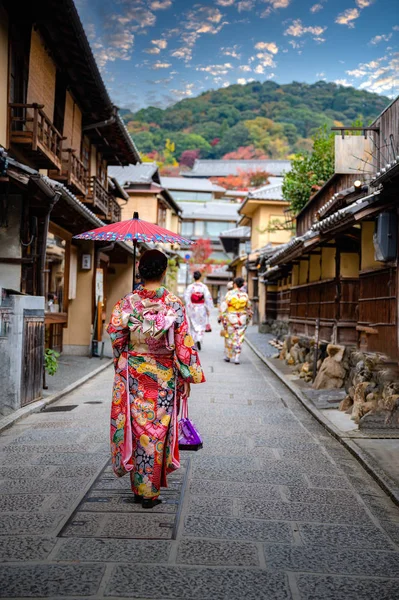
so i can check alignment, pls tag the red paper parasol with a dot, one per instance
(133, 230)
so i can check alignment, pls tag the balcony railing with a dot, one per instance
(115, 211)
(73, 173)
(98, 196)
(31, 129)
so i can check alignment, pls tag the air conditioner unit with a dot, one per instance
(385, 237)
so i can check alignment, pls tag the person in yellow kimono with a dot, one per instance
(236, 313)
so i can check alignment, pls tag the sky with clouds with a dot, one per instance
(156, 52)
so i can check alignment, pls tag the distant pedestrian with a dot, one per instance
(155, 362)
(199, 304)
(236, 312)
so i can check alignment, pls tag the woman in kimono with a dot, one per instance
(155, 363)
(199, 304)
(236, 312)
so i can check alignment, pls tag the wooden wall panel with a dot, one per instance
(42, 71)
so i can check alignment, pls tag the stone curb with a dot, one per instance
(37, 406)
(378, 474)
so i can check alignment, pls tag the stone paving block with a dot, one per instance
(14, 548)
(205, 552)
(237, 529)
(298, 466)
(72, 458)
(232, 489)
(328, 482)
(392, 530)
(64, 502)
(285, 442)
(104, 550)
(365, 485)
(32, 453)
(298, 511)
(49, 580)
(346, 588)
(381, 507)
(25, 472)
(47, 436)
(20, 502)
(131, 526)
(269, 476)
(124, 503)
(211, 506)
(197, 584)
(47, 486)
(322, 496)
(34, 523)
(320, 559)
(86, 471)
(345, 536)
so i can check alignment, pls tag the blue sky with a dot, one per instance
(156, 52)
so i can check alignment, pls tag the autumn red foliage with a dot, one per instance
(246, 153)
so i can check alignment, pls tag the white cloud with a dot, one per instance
(161, 65)
(241, 81)
(216, 70)
(395, 28)
(316, 8)
(269, 46)
(278, 3)
(364, 3)
(225, 2)
(160, 4)
(265, 59)
(233, 51)
(347, 17)
(245, 68)
(162, 44)
(244, 5)
(152, 50)
(320, 74)
(379, 75)
(297, 29)
(259, 69)
(343, 82)
(185, 92)
(385, 37)
(356, 73)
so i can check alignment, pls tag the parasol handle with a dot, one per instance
(134, 263)
(135, 215)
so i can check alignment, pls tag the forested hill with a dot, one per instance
(249, 121)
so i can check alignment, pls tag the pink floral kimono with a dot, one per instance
(153, 355)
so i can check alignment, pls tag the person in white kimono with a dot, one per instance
(199, 304)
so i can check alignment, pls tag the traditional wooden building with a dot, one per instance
(59, 133)
(340, 272)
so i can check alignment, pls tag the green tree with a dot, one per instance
(144, 141)
(190, 141)
(309, 171)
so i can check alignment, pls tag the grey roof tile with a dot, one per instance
(221, 168)
(140, 173)
(192, 185)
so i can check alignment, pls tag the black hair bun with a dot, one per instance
(152, 265)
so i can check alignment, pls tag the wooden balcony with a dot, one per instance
(115, 211)
(32, 130)
(73, 173)
(97, 197)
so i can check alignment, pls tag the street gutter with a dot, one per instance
(21, 413)
(384, 481)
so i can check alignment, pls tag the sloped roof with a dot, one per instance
(140, 173)
(268, 192)
(190, 185)
(242, 232)
(210, 211)
(221, 168)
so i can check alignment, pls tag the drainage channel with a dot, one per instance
(108, 511)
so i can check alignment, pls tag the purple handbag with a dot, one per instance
(189, 437)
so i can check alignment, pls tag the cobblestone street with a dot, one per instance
(272, 508)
